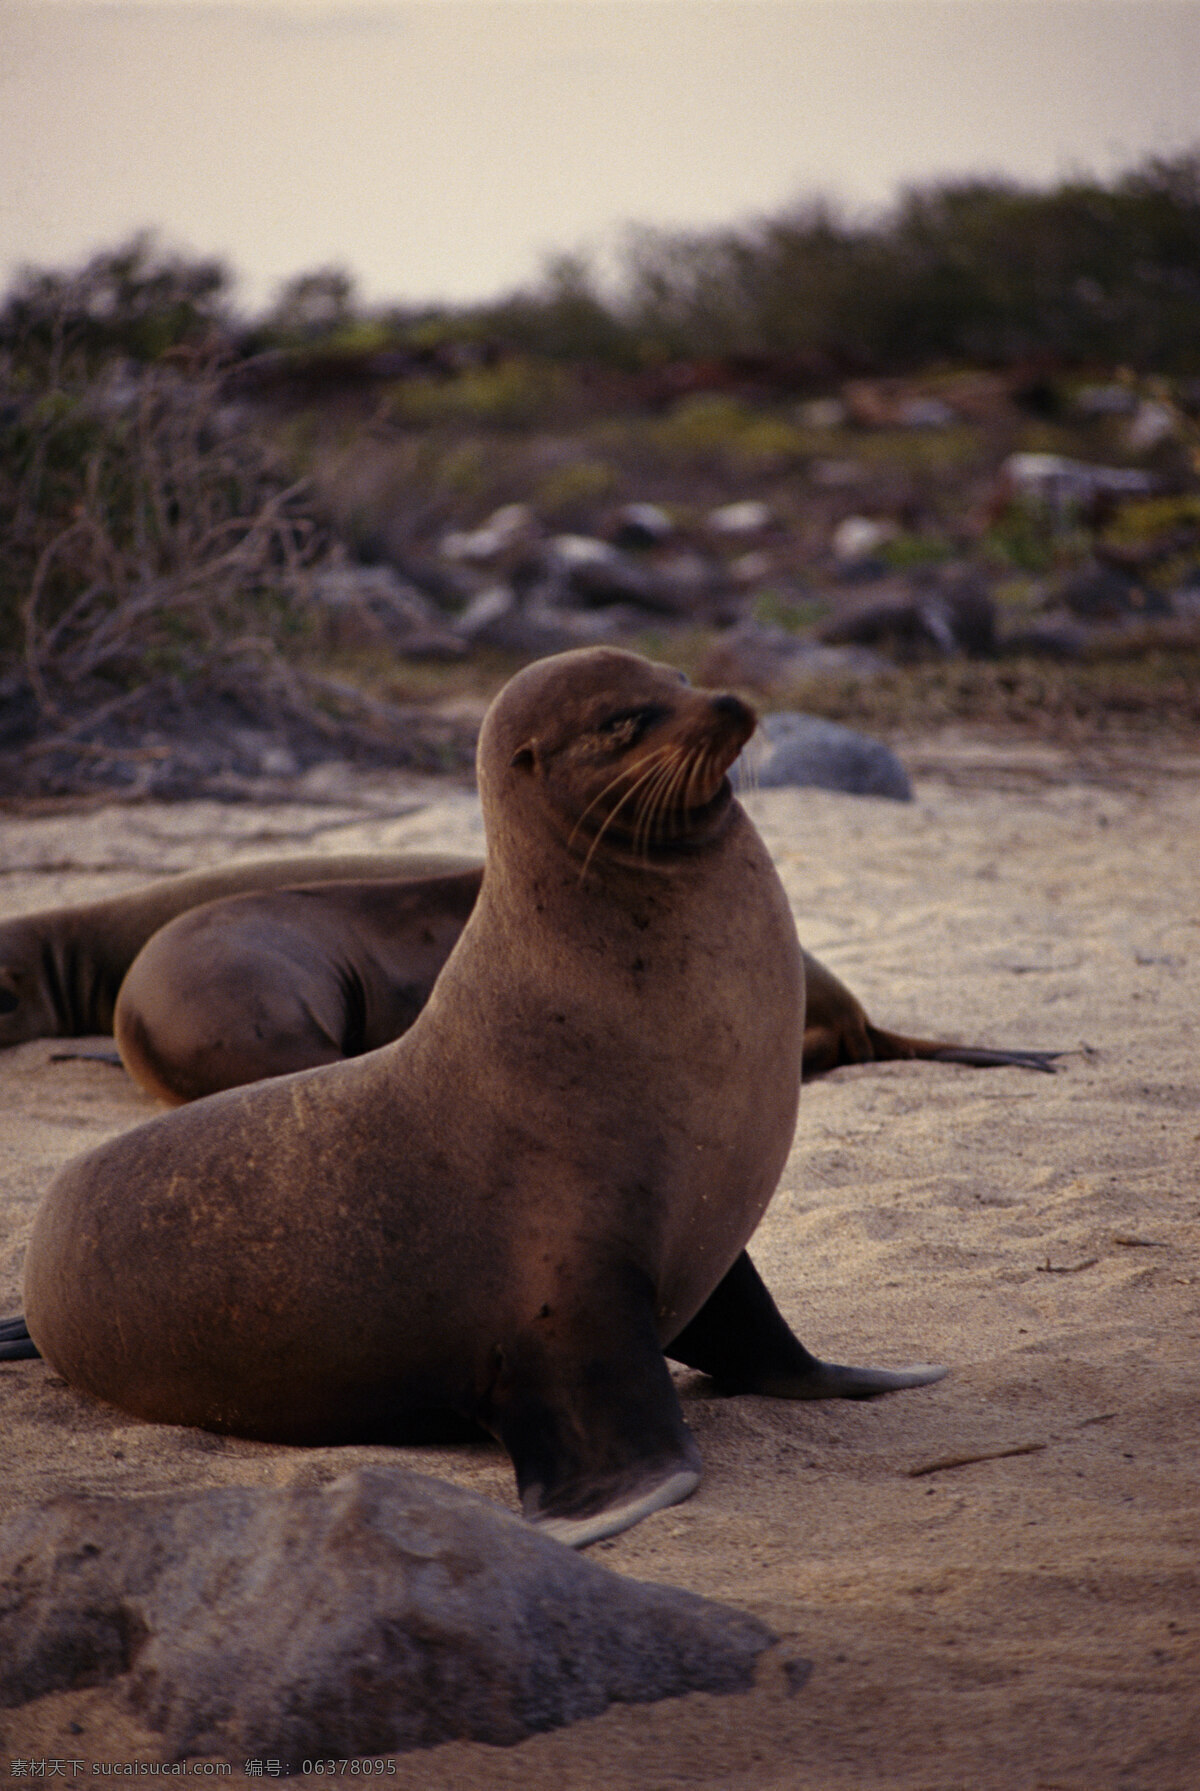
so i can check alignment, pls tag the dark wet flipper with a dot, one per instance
(832, 1380)
(740, 1338)
(589, 1415)
(980, 1058)
(16, 1345)
(892, 1047)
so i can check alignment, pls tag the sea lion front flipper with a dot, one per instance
(740, 1338)
(16, 1345)
(586, 1408)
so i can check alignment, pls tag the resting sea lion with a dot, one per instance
(61, 968)
(276, 980)
(510, 1211)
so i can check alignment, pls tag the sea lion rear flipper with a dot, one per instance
(892, 1047)
(589, 1416)
(740, 1337)
(16, 1345)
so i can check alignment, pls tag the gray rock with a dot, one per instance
(1062, 484)
(372, 606)
(937, 611)
(381, 1613)
(1055, 636)
(499, 617)
(748, 517)
(640, 525)
(1100, 593)
(807, 750)
(580, 571)
(765, 657)
(504, 529)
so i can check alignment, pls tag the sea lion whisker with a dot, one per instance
(626, 771)
(676, 795)
(654, 801)
(663, 795)
(699, 766)
(616, 809)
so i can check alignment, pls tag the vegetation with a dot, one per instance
(987, 272)
(173, 475)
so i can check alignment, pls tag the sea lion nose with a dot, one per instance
(732, 708)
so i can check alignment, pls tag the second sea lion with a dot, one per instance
(279, 979)
(61, 968)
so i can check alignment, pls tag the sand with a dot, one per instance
(1029, 1618)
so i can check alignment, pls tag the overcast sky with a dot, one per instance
(441, 148)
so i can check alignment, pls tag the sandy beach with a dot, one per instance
(997, 1579)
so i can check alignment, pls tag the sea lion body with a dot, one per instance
(271, 981)
(512, 1209)
(61, 968)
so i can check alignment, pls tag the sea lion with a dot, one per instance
(277, 980)
(510, 1211)
(280, 979)
(61, 968)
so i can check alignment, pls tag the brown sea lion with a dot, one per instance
(514, 1208)
(276, 980)
(284, 979)
(61, 968)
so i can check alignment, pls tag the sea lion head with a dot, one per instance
(613, 753)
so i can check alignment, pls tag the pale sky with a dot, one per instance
(439, 149)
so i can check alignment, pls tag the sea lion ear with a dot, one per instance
(525, 758)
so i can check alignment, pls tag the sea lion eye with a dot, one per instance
(8, 1001)
(628, 725)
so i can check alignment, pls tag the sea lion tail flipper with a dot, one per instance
(16, 1345)
(740, 1338)
(589, 1416)
(888, 1047)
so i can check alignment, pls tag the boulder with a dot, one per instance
(640, 525)
(373, 606)
(763, 656)
(934, 612)
(380, 1613)
(791, 748)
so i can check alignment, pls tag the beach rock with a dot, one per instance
(504, 529)
(765, 657)
(1152, 424)
(859, 538)
(807, 750)
(582, 572)
(1104, 593)
(1064, 485)
(750, 516)
(640, 525)
(1052, 636)
(1104, 401)
(821, 413)
(372, 606)
(377, 1614)
(498, 618)
(937, 612)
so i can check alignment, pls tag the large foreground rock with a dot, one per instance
(383, 1612)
